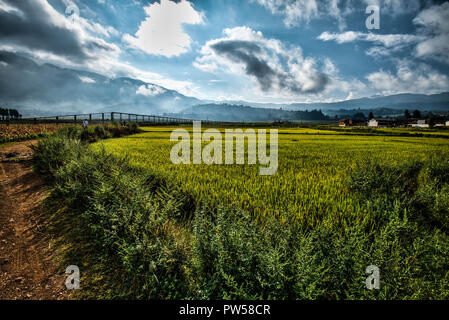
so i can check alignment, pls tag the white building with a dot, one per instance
(447, 123)
(373, 123)
(421, 124)
(383, 123)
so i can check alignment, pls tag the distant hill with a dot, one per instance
(237, 113)
(50, 90)
(409, 101)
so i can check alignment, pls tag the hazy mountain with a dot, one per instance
(46, 89)
(409, 101)
(49, 90)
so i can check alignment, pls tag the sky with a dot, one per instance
(276, 51)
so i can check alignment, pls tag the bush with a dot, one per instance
(235, 258)
(53, 152)
(420, 188)
(114, 211)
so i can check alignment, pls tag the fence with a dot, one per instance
(104, 118)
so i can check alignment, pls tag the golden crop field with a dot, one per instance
(21, 131)
(309, 184)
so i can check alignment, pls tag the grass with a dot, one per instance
(142, 228)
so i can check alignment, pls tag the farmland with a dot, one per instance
(338, 203)
(17, 132)
(309, 184)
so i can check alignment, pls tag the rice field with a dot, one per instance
(309, 184)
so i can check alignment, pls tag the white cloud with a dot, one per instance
(87, 79)
(298, 11)
(388, 40)
(150, 90)
(409, 77)
(434, 23)
(430, 42)
(396, 7)
(273, 66)
(161, 33)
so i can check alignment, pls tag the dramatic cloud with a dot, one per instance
(269, 62)
(161, 33)
(434, 23)
(33, 28)
(34, 25)
(409, 77)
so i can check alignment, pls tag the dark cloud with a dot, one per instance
(243, 52)
(35, 25)
(246, 52)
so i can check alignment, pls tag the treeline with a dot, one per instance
(313, 115)
(9, 114)
(239, 113)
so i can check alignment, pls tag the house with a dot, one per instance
(373, 123)
(384, 123)
(345, 123)
(420, 124)
(352, 123)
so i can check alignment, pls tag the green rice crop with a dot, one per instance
(309, 185)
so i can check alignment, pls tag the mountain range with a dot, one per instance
(52, 90)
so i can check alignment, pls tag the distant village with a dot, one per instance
(414, 120)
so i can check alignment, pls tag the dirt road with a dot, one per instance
(27, 270)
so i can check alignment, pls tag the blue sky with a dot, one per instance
(260, 50)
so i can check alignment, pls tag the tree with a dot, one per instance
(407, 114)
(9, 114)
(432, 119)
(416, 114)
(371, 116)
(359, 116)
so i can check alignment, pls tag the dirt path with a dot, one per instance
(26, 267)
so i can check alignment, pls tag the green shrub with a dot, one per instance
(53, 152)
(116, 212)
